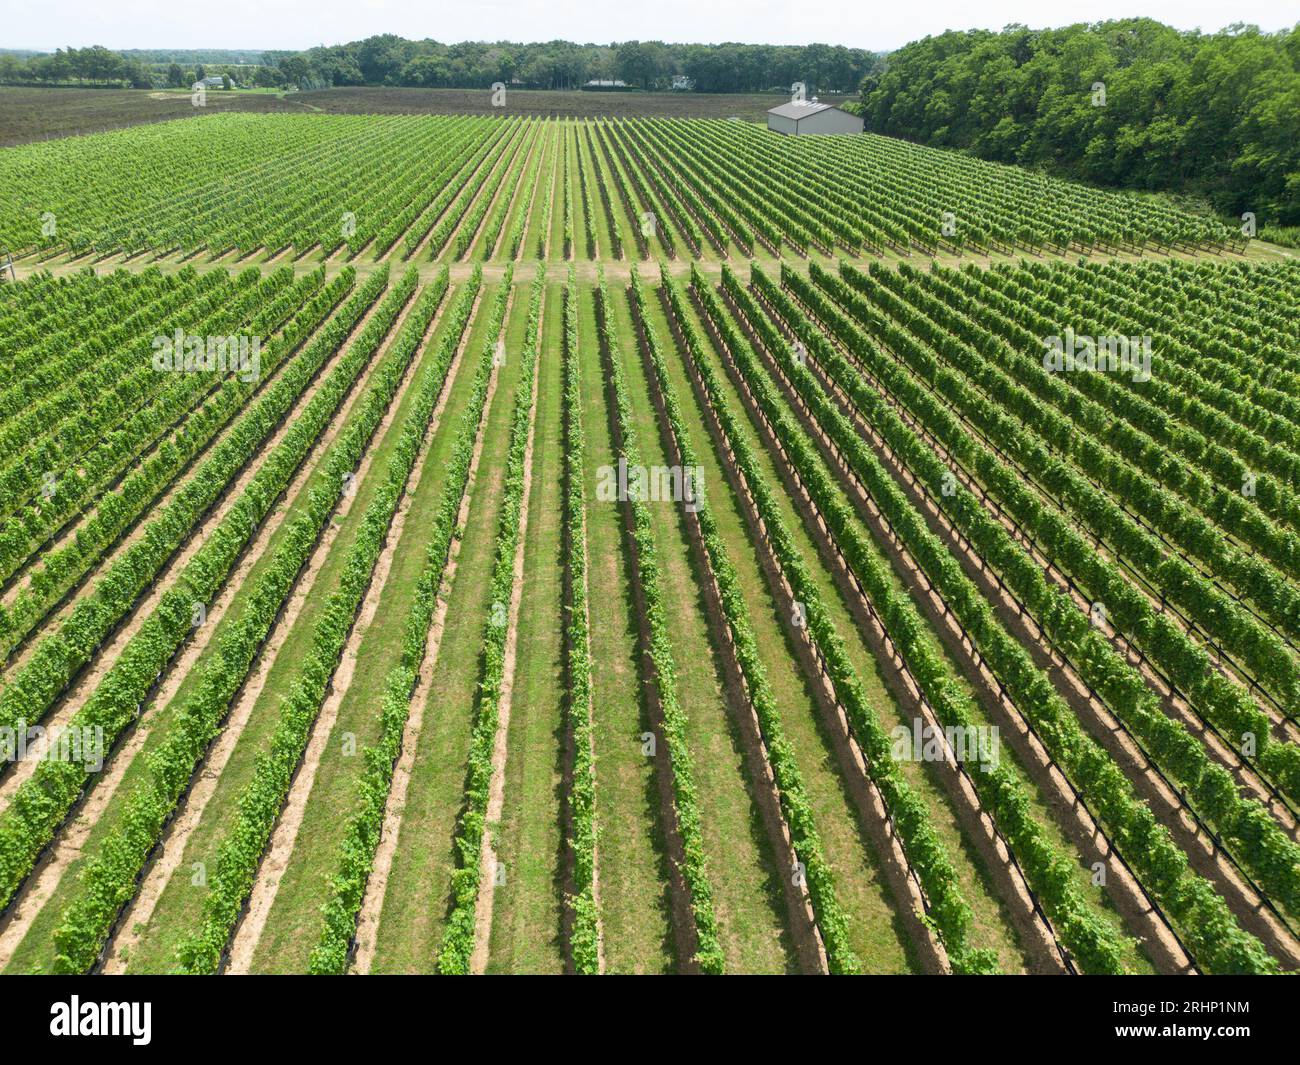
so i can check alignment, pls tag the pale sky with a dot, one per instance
(298, 24)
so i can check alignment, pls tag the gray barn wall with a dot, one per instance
(781, 125)
(831, 121)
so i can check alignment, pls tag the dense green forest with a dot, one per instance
(190, 56)
(391, 60)
(1132, 103)
(394, 61)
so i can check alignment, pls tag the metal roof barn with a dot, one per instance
(800, 118)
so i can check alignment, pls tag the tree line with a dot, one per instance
(95, 65)
(1130, 103)
(134, 69)
(391, 60)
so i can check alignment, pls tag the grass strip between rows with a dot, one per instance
(458, 936)
(43, 801)
(686, 806)
(365, 827)
(949, 914)
(240, 851)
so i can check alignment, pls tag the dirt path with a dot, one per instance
(248, 932)
(373, 902)
(102, 660)
(618, 269)
(496, 789)
(171, 848)
(67, 846)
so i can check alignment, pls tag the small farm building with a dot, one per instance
(802, 117)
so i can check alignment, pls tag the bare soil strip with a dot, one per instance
(619, 269)
(497, 787)
(67, 846)
(373, 903)
(248, 932)
(172, 846)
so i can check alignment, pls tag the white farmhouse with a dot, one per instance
(801, 117)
